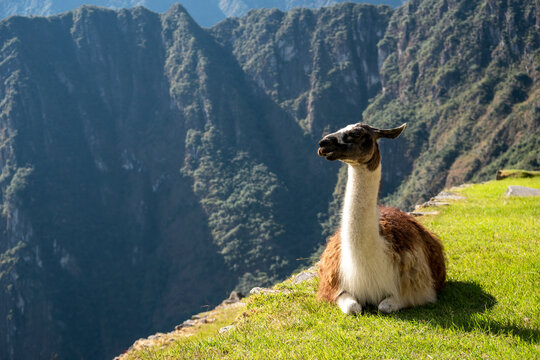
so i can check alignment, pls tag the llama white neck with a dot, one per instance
(360, 219)
(365, 270)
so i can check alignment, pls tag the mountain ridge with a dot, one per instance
(207, 13)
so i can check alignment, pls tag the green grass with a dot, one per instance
(489, 309)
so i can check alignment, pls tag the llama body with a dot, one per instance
(380, 256)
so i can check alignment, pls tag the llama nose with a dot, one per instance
(327, 141)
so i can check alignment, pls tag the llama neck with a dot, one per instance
(360, 219)
(366, 271)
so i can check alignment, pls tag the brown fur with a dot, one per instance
(406, 237)
(405, 234)
(329, 269)
(375, 160)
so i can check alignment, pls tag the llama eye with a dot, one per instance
(366, 139)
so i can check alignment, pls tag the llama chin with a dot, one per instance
(380, 256)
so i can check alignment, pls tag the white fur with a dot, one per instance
(390, 304)
(348, 304)
(367, 272)
(347, 128)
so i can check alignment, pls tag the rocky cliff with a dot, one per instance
(465, 76)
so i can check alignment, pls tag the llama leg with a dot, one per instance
(348, 304)
(390, 304)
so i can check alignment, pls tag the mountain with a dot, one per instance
(241, 7)
(147, 171)
(465, 76)
(205, 12)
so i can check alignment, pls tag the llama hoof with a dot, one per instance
(353, 309)
(389, 305)
(349, 305)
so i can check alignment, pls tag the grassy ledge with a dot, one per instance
(503, 174)
(489, 309)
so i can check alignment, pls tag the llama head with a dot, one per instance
(356, 144)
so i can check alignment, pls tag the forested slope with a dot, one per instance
(146, 172)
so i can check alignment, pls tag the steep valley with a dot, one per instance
(145, 173)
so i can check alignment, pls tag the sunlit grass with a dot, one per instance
(489, 309)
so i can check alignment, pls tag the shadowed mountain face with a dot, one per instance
(205, 12)
(149, 167)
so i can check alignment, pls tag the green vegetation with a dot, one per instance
(490, 307)
(17, 183)
(9, 259)
(218, 319)
(464, 75)
(318, 66)
(239, 197)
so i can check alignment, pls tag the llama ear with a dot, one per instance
(389, 133)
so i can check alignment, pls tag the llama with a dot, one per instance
(380, 256)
